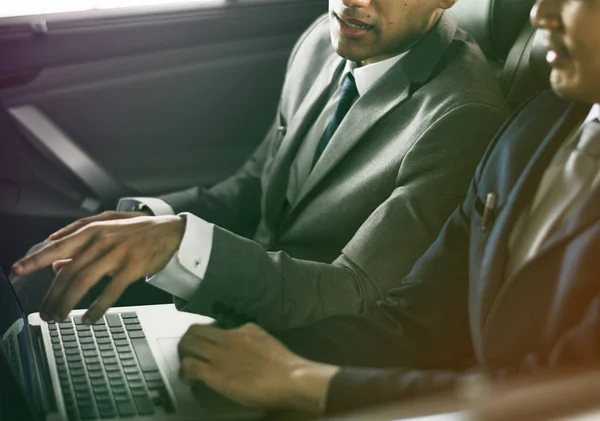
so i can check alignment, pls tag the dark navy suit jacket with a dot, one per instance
(457, 309)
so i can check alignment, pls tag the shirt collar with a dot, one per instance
(594, 113)
(366, 76)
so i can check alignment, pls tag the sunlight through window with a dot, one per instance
(37, 7)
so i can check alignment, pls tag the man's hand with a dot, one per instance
(126, 249)
(80, 223)
(251, 367)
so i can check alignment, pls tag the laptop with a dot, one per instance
(125, 366)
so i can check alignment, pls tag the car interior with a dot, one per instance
(91, 102)
(100, 104)
(129, 88)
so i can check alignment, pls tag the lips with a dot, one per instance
(556, 46)
(558, 54)
(354, 23)
(558, 49)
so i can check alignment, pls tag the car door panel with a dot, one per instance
(160, 123)
(158, 101)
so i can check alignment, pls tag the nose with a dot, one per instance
(356, 3)
(546, 14)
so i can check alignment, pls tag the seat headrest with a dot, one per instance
(495, 24)
(526, 71)
(538, 64)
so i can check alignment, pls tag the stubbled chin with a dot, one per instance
(349, 51)
(566, 88)
(558, 82)
(350, 55)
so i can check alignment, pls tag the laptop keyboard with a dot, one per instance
(107, 370)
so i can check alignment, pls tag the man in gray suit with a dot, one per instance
(385, 111)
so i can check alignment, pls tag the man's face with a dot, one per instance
(368, 31)
(573, 30)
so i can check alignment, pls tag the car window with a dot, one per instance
(38, 7)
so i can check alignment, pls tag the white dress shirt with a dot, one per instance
(184, 272)
(547, 212)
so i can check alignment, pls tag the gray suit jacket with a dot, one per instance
(395, 169)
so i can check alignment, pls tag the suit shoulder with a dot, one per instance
(463, 77)
(316, 37)
(526, 127)
(312, 54)
(535, 116)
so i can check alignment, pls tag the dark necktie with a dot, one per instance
(347, 97)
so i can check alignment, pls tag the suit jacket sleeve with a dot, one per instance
(356, 388)
(282, 292)
(423, 325)
(575, 345)
(573, 333)
(429, 313)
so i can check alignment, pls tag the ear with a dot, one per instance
(447, 4)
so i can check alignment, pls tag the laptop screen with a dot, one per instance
(13, 341)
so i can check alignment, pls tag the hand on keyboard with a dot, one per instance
(126, 249)
(104, 216)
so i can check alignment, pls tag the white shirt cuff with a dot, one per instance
(156, 205)
(186, 269)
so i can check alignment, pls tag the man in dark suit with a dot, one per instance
(511, 285)
(385, 111)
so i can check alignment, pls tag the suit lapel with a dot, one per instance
(390, 91)
(362, 116)
(582, 216)
(495, 258)
(307, 112)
